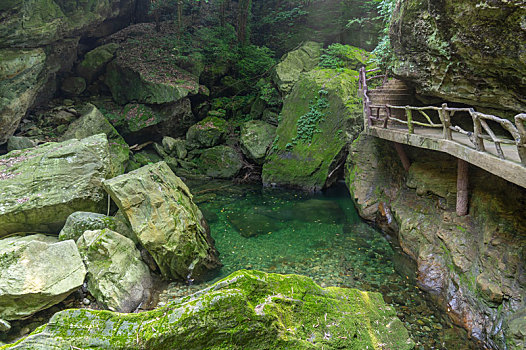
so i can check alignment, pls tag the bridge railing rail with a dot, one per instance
(429, 115)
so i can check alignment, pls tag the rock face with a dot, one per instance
(288, 71)
(36, 272)
(472, 266)
(221, 162)
(117, 277)
(20, 81)
(93, 122)
(248, 309)
(319, 116)
(463, 51)
(168, 224)
(256, 138)
(42, 186)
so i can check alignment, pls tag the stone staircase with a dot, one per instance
(394, 92)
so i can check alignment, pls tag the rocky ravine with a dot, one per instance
(473, 266)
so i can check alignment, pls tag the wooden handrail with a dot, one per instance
(481, 129)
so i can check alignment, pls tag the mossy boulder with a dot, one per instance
(160, 210)
(42, 186)
(132, 83)
(221, 162)
(319, 117)
(73, 86)
(20, 81)
(256, 138)
(175, 147)
(93, 122)
(209, 132)
(289, 69)
(95, 61)
(117, 277)
(36, 272)
(246, 310)
(19, 143)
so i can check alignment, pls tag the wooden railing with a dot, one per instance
(444, 114)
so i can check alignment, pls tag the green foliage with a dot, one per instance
(268, 93)
(308, 123)
(254, 61)
(383, 53)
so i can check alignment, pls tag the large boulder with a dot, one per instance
(289, 69)
(256, 138)
(221, 162)
(168, 224)
(93, 122)
(319, 117)
(42, 186)
(208, 132)
(95, 61)
(463, 51)
(131, 82)
(20, 81)
(36, 272)
(117, 277)
(249, 310)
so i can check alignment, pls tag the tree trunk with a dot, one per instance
(244, 12)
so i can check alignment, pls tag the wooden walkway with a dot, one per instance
(494, 144)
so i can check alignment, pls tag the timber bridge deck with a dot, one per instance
(460, 132)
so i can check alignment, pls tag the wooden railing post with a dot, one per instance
(410, 126)
(477, 131)
(445, 118)
(387, 115)
(462, 187)
(520, 119)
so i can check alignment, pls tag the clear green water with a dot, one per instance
(320, 236)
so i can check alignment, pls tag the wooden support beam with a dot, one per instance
(403, 156)
(462, 187)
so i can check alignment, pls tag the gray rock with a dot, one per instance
(19, 142)
(256, 138)
(221, 162)
(42, 186)
(37, 272)
(175, 147)
(117, 277)
(73, 86)
(80, 221)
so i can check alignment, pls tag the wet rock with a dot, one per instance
(264, 311)
(317, 210)
(490, 287)
(256, 138)
(42, 186)
(303, 59)
(252, 224)
(117, 277)
(207, 133)
(168, 224)
(19, 142)
(73, 86)
(93, 122)
(95, 61)
(37, 272)
(221, 162)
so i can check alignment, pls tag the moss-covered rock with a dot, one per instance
(256, 138)
(93, 122)
(221, 162)
(247, 310)
(20, 81)
(117, 277)
(289, 69)
(318, 118)
(159, 207)
(95, 61)
(463, 51)
(19, 143)
(129, 83)
(73, 86)
(42, 186)
(36, 272)
(209, 132)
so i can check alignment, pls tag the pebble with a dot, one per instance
(86, 301)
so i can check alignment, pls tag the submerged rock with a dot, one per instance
(36, 272)
(93, 122)
(256, 138)
(221, 162)
(252, 224)
(117, 277)
(40, 187)
(168, 224)
(248, 309)
(320, 116)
